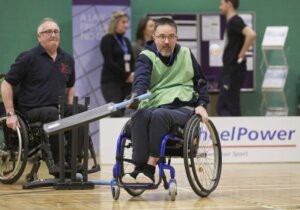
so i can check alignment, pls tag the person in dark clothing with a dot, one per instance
(118, 66)
(179, 89)
(239, 38)
(144, 33)
(42, 74)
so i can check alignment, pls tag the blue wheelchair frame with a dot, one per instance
(188, 152)
(162, 166)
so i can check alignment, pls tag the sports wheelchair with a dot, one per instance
(29, 142)
(197, 143)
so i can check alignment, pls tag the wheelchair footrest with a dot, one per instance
(94, 169)
(140, 186)
(40, 183)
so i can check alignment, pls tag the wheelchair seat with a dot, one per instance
(197, 143)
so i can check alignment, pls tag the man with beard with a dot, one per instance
(42, 74)
(173, 76)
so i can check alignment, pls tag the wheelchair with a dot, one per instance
(29, 142)
(197, 143)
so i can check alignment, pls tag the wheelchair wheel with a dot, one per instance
(115, 190)
(13, 152)
(172, 190)
(126, 165)
(202, 156)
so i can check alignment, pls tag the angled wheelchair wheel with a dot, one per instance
(202, 156)
(126, 165)
(13, 152)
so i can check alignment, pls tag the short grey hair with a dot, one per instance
(46, 19)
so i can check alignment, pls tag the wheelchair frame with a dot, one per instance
(204, 152)
(29, 141)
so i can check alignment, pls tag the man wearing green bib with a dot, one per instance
(173, 76)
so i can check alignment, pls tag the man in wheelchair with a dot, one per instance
(179, 90)
(42, 74)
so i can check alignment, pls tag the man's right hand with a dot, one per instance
(12, 122)
(133, 102)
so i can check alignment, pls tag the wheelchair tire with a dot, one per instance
(13, 153)
(127, 167)
(202, 156)
(172, 190)
(115, 191)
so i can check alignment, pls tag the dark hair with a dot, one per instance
(165, 21)
(235, 3)
(141, 27)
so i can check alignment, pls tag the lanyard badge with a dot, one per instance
(127, 58)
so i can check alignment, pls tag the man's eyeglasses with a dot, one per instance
(50, 32)
(163, 37)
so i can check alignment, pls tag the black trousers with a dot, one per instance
(116, 92)
(231, 82)
(150, 125)
(49, 114)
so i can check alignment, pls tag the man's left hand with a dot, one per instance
(200, 110)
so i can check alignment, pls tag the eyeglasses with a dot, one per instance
(49, 32)
(163, 37)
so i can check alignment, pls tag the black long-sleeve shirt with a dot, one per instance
(114, 66)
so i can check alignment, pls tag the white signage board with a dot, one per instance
(243, 139)
(211, 27)
(275, 77)
(275, 37)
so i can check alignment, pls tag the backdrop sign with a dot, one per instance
(90, 24)
(243, 139)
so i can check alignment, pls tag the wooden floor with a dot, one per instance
(242, 186)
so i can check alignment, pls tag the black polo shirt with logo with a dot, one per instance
(40, 79)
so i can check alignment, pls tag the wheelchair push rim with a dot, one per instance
(13, 154)
(202, 156)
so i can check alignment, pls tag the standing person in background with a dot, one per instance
(239, 38)
(144, 33)
(118, 66)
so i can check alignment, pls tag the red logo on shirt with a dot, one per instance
(64, 68)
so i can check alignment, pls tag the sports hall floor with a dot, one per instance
(242, 186)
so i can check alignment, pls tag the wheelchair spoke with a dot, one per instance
(202, 152)
(13, 152)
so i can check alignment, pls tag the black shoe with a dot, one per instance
(147, 175)
(79, 164)
(54, 169)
